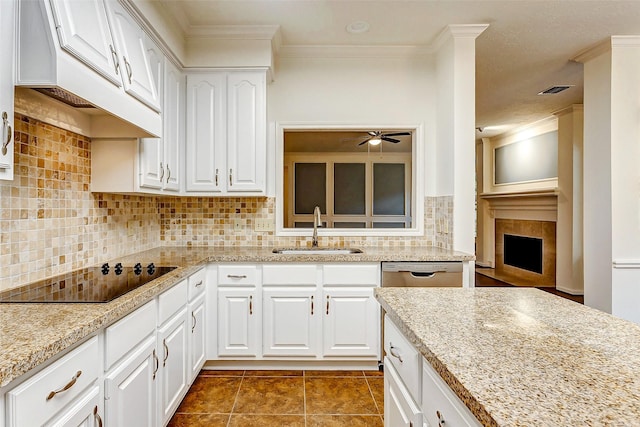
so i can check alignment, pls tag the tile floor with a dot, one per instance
(283, 398)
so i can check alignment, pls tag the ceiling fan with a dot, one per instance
(376, 137)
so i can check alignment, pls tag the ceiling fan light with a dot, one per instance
(375, 141)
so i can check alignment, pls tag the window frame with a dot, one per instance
(417, 181)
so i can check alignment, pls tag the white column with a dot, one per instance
(612, 176)
(455, 133)
(569, 264)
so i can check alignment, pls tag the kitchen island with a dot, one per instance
(523, 357)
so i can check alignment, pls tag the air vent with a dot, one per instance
(554, 89)
(66, 97)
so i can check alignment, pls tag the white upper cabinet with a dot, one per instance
(131, 46)
(226, 132)
(6, 89)
(83, 30)
(174, 119)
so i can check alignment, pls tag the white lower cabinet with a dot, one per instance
(351, 322)
(130, 388)
(238, 322)
(197, 336)
(56, 390)
(291, 322)
(408, 379)
(172, 371)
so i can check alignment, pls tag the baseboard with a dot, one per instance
(483, 264)
(569, 290)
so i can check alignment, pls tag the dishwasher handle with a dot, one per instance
(421, 274)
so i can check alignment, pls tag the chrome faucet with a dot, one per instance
(317, 222)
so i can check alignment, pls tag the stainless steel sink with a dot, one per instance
(316, 251)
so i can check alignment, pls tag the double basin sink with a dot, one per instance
(316, 251)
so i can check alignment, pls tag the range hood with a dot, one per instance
(42, 64)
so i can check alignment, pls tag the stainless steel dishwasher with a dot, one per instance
(422, 274)
(418, 275)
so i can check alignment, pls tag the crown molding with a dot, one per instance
(233, 32)
(454, 31)
(353, 51)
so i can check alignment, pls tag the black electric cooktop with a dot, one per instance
(93, 284)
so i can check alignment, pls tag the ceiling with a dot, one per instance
(527, 48)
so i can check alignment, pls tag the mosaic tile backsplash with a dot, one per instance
(51, 223)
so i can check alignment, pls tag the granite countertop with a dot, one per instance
(32, 333)
(524, 357)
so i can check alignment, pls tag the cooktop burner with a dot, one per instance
(92, 284)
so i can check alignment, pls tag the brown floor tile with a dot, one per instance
(376, 384)
(243, 420)
(211, 395)
(333, 373)
(219, 373)
(339, 396)
(344, 420)
(270, 395)
(376, 373)
(273, 373)
(199, 420)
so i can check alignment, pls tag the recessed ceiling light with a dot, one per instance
(554, 89)
(357, 27)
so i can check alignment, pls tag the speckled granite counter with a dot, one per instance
(32, 333)
(523, 357)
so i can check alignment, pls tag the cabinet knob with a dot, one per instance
(193, 317)
(168, 173)
(216, 177)
(157, 363)
(328, 298)
(166, 353)
(97, 417)
(395, 353)
(116, 61)
(250, 305)
(440, 418)
(230, 177)
(128, 67)
(312, 305)
(161, 171)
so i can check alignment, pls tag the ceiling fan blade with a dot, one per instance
(395, 141)
(372, 133)
(364, 142)
(397, 134)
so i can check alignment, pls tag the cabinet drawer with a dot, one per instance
(171, 301)
(38, 399)
(197, 283)
(403, 356)
(290, 274)
(440, 405)
(351, 274)
(237, 274)
(128, 332)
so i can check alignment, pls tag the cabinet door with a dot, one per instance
(197, 336)
(400, 409)
(84, 412)
(172, 374)
(238, 322)
(174, 117)
(291, 321)
(131, 47)
(130, 388)
(351, 322)
(246, 138)
(83, 30)
(206, 132)
(7, 27)
(151, 150)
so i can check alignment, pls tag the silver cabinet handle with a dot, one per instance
(216, 177)
(328, 304)
(440, 418)
(230, 177)
(199, 283)
(166, 353)
(6, 128)
(96, 416)
(128, 67)
(250, 305)
(193, 317)
(161, 171)
(116, 61)
(237, 276)
(312, 305)
(395, 353)
(70, 384)
(157, 361)
(168, 173)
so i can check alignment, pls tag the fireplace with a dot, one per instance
(526, 249)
